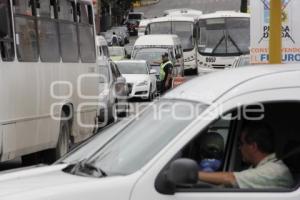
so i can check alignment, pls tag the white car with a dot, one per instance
(141, 79)
(152, 155)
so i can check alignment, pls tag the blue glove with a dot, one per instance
(210, 165)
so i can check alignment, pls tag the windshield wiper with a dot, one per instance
(219, 43)
(234, 44)
(86, 168)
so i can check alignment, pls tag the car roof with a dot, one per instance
(153, 49)
(233, 82)
(170, 18)
(131, 61)
(157, 39)
(226, 13)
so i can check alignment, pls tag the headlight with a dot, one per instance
(143, 83)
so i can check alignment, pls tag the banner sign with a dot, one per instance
(260, 31)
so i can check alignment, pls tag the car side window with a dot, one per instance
(208, 148)
(118, 73)
(113, 71)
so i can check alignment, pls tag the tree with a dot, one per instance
(244, 6)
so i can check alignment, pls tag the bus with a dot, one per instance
(185, 28)
(48, 83)
(222, 37)
(185, 12)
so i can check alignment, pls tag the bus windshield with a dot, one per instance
(224, 36)
(184, 30)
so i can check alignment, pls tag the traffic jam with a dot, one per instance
(158, 99)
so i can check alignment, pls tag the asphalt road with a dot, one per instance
(204, 5)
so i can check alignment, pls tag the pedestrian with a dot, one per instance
(114, 40)
(165, 73)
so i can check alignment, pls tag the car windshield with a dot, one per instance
(224, 36)
(184, 30)
(132, 68)
(151, 55)
(114, 51)
(133, 144)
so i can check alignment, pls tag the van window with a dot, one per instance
(220, 148)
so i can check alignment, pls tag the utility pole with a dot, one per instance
(275, 42)
(244, 6)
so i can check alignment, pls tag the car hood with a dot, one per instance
(50, 182)
(135, 78)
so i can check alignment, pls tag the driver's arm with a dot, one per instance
(218, 178)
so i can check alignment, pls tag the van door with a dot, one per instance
(227, 124)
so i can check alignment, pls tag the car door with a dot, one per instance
(152, 78)
(147, 186)
(120, 87)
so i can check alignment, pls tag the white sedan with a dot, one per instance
(141, 80)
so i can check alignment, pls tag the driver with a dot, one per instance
(257, 149)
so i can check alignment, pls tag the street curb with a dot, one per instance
(148, 3)
(145, 3)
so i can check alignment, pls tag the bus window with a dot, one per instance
(238, 35)
(48, 32)
(184, 30)
(160, 28)
(86, 33)
(25, 28)
(6, 36)
(68, 31)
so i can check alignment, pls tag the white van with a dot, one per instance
(151, 47)
(154, 155)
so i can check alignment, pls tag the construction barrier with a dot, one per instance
(178, 80)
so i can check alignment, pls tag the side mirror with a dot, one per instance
(153, 71)
(182, 172)
(121, 80)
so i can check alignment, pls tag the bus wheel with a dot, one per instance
(64, 142)
(195, 71)
(31, 159)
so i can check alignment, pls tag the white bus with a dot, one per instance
(184, 27)
(223, 36)
(48, 71)
(185, 12)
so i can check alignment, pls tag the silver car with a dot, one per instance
(113, 93)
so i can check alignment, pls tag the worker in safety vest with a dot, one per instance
(165, 73)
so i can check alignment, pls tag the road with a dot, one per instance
(205, 5)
